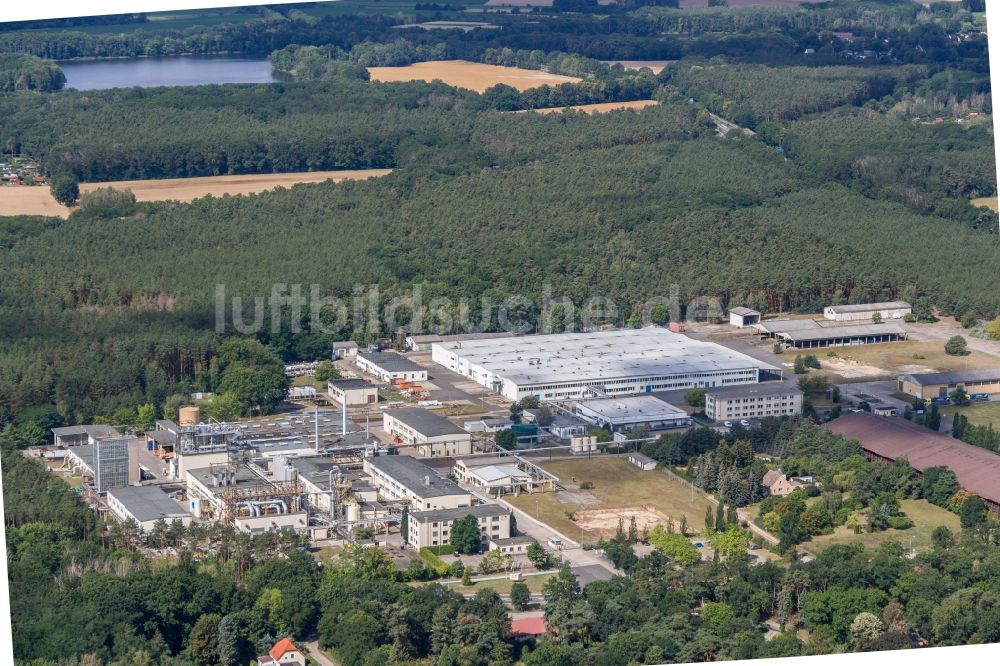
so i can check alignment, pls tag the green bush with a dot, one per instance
(434, 562)
(900, 522)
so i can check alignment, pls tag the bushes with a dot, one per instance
(434, 562)
(901, 522)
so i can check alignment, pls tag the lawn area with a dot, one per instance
(983, 413)
(617, 484)
(502, 586)
(309, 380)
(904, 357)
(924, 515)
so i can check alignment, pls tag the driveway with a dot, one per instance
(322, 658)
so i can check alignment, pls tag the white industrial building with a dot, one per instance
(432, 435)
(387, 366)
(433, 528)
(145, 505)
(406, 479)
(623, 414)
(352, 392)
(865, 311)
(344, 349)
(493, 473)
(741, 317)
(567, 366)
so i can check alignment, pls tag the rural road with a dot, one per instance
(322, 658)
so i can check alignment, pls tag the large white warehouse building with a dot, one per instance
(569, 366)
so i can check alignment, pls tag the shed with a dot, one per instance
(642, 461)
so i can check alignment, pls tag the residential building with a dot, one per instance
(942, 384)
(753, 402)
(627, 413)
(742, 317)
(387, 366)
(283, 653)
(406, 479)
(778, 484)
(433, 528)
(431, 435)
(352, 392)
(866, 311)
(569, 366)
(144, 505)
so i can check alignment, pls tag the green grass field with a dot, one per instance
(986, 413)
(925, 517)
(617, 484)
(535, 584)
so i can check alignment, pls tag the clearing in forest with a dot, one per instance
(30, 200)
(188, 189)
(471, 75)
(619, 489)
(602, 107)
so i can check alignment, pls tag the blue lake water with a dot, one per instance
(165, 71)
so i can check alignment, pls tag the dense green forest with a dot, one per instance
(21, 71)
(79, 587)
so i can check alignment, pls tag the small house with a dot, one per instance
(779, 485)
(284, 653)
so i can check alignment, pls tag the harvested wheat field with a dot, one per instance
(471, 75)
(188, 189)
(33, 200)
(603, 107)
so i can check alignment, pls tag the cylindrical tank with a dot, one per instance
(189, 415)
(353, 511)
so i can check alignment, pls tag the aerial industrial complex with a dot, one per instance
(570, 366)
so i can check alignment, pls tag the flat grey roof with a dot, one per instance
(315, 469)
(640, 407)
(479, 511)
(345, 344)
(870, 307)
(514, 540)
(742, 311)
(147, 503)
(458, 337)
(346, 384)
(927, 378)
(640, 457)
(857, 331)
(391, 362)
(754, 390)
(426, 423)
(413, 475)
(95, 431)
(599, 356)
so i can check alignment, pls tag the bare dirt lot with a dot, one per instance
(34, 200)
(471, 75)
(188, 189)
(604, 522)
(602, 107)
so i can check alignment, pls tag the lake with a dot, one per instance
(165, 71)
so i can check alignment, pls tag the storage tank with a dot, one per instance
(353, 512)
(189, 415)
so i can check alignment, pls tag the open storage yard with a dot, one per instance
(472, 75)
(602, 107)
(620, 489)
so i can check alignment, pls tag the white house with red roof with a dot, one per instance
(284, 653)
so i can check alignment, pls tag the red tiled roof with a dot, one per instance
(528, 626)
(977, 469)
(281, 647)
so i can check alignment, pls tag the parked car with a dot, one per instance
(745, 423)
(728, 424)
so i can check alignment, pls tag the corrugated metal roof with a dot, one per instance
(928, 378)
(977, 469)
(870, 307)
